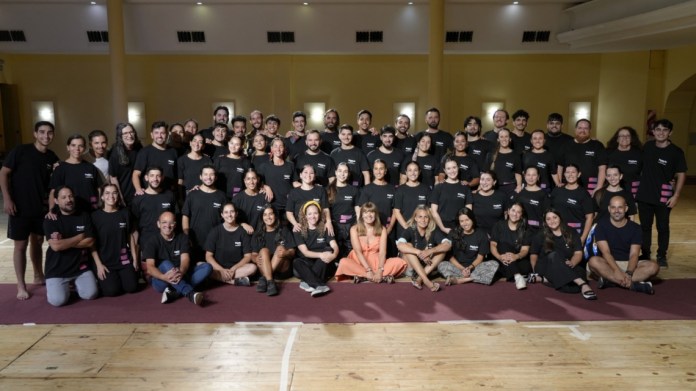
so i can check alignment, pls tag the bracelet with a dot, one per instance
(630, 273)
(472, 267)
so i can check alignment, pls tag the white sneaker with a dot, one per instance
(167, 295)
(321, 290)
(520, 282)
(305, 287)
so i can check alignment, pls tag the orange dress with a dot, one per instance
(350, 266)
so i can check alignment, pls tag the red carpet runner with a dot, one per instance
(364, 303)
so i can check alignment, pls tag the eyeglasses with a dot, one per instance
(661, 129)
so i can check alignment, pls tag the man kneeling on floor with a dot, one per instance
(618, 241)
(169, 263)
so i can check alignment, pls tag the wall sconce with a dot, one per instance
(315, 114)
(136, 116)
(408, 108)
(43, 111)
(487, 110)
(578, 111)
(229, 105)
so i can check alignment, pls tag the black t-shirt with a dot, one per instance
(113, 232)
(466, 248)
(407, 198)
(429, 166)
(315, 241)
(230, 174)
(588, 156)
(468, 168)
(393, 162)
(631, 164)
(147, 209)
(161, 249)
(619, 239)
(329, 141)
(412, 236)
(150, 156)
(295, 147)
(489, 209)
(479, 150)
(442, 142)
(545, 164)
(124, 173)
(522, 143)
(298, 197)
(356, 161)
(190, 170)
(204, 211)
(249, 208)
(506, 166)
(660, 166)
(366, 142)
(450, 199)
(279, 179)
(29, 180)
(281, 236)
(507, 240)
(602, 207)
(535, 203)
(573, 205)
(83, 178)
(73, 261)
(343, 207)
(559, 245)
(228, 247)
(555, 144)
(383, 198)
(407, 145)
(323, 166)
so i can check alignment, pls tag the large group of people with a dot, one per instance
(246, 205)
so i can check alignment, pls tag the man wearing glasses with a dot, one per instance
(661, 183)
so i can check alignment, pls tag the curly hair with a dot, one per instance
(304, 225)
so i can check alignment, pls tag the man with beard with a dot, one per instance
(442, 140)
(70, 239)
(617, 263)
(500, 119)
(521, 140)
(479, 148)
(403, 140)
(392, 157)
(156, 154)
(256, 121)
(221, 115)
(24, 178)
(555, 138)
(588, 154)
(324, 168)
(148, 206)
(329, 137)
(202, 211)
(295, 143)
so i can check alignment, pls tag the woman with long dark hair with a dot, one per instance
(510, 241)
(122, 160)
(273, 249)
(625, 151)
(343, 204)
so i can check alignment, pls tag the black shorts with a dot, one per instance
(19, 228)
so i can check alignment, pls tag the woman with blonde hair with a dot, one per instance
(368, 260)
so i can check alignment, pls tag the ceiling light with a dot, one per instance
(410, 3)
(305, 3)
(199, 3)
(93, 2)
(515, 2)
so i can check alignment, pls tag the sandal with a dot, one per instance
(451, 280)
(388, 279)
(416, 285)
(435, 287)
(588, 294)
(358, 279)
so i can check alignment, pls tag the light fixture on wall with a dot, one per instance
(487, 111)
(578, 111)
(136, 115)
(408, 108)
(43, 111)
(315, 114)
(228, 104)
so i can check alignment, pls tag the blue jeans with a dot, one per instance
(194, 276)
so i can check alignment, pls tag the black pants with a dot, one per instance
(522, 266)
(560, 275)
(118, 281)
(660, 213)
(313, 272)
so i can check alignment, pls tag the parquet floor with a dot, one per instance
(625, 355)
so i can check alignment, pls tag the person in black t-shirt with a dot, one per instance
(294, 140)
(441, 140)
(449, 197)
(392, 157)
(479, 148)
(231, 168)
(24, 178)
(589, 155)
(83, 177)
(278, 174)
(323, 164)
(555, 139)
(308, 191)
(148, 207)
(344, 208)
(354, 157)
(468, 168)
(122, 160)
(201, 212)
(510, 241)
(543, 160)
(366, 137)
(221, 115)
(273, 250)
(329, 137)
(507, 165)
(428, 162)
(228, 250)
(156, 154)
(250, 202)
(168, 263)
(70, 238)
(618, 241)
(115, 252)
(624, 150)
(189, 165)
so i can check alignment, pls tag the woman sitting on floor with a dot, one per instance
(317, 250)
(423, 243)
(272, 251)
(469, 251)
(228, 250)
(556, 255)
(368, 259)
(510, 242)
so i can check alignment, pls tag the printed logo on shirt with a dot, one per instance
(80, 228)
(177, 253)
(370, 145)
(396, 164)
(89, 176)
(427, 167)
(476, 151)
(321, 240)
(286, 177)
(541, 165)
(351, 162)
(259, 208)
(463, 167)
(166, 205)
(632, 162)
(473, 247)
(572, 201)
(439, 143)
(421, 198)
(238, 244)
(497, 206)
(348, 198)
(315, 199)
(170, 162)
(534, 202)
(390, 196)
(217, 205)
(122, 225)
(461, 195)
(662, 162)
(509, 165)
(589, 153)
(321, 165)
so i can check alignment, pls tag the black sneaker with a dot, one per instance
(262, 285)
(243, 281)
(643, 287)
(168, 295)
(196, 297)
(272, 289)
(603, 283)
(662, 261)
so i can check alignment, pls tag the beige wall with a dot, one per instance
(621, 86)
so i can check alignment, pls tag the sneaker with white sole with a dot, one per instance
(321, 290)
(196, 297)
(520, 282)
(242, 281)
(305, 287)
(643, 287)
(168, 295)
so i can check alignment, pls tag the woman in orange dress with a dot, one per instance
(368, 259)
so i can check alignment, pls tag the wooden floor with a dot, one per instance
(631, 355)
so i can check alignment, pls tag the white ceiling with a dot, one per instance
(329, 26)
